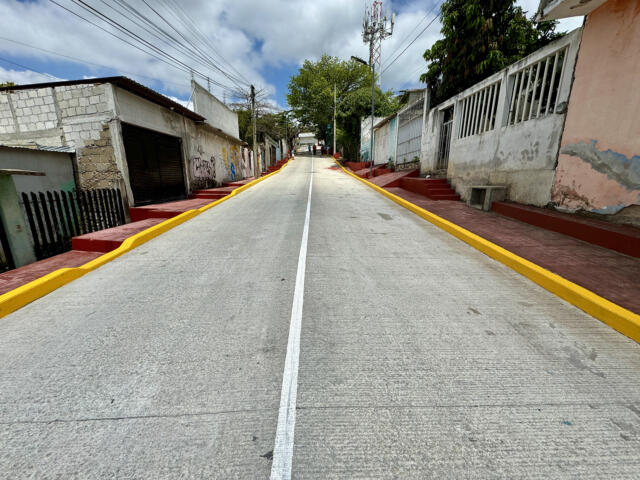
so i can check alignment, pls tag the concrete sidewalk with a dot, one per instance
(419, 356)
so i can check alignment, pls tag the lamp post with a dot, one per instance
(373, 86)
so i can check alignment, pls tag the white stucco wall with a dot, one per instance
(57, 167)
(210, 158)
(521, 156)
(217, 113)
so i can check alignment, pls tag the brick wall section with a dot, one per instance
(73, 115)
(97, 167)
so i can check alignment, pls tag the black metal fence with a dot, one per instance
(56, 217)
(6, 261)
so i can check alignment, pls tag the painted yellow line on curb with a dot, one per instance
(27, 293)
(621, 319)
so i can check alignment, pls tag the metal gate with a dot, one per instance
(410, 132)
(155, 165)
(444, 142)
(6, 260)
(56, 217)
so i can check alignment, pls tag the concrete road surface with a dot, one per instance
(400, 352)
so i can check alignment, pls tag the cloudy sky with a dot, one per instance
(247, 41)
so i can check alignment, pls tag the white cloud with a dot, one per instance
(253, 35)
(24, 77)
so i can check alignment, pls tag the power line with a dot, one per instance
(140, 39)
(413, 41)
(409, 34)
(230, 77)
(155, 52)
(203, 38)
(201, 59)
(86, 62)
(28, 68)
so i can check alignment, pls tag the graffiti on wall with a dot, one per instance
(203, 168)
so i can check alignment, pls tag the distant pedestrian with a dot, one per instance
(309, 148)
(314, 150)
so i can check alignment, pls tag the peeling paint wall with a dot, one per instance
(599, 162)
(522, 156)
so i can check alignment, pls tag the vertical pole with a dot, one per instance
(373, 85)
(334, 119)
(256, 161)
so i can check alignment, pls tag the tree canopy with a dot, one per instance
(275, 125)
(311, 98)
(481, 37)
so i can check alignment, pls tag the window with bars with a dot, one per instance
(535, 88)
(478, 111)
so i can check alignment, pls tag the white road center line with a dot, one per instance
(283, 449)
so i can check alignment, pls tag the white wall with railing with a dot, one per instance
(506, 129)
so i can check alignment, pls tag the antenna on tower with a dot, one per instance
(375, 28)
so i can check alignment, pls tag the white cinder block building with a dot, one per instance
(128, 136)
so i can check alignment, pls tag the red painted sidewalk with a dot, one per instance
(15, 278)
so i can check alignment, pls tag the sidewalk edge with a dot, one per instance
(27, 293)
(617, 317)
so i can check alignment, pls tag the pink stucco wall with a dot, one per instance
(599, 163)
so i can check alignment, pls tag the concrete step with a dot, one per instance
(453, 197)
(107, 240)
(621, 238)
(239, 183)
(213, 196)
(225, 190)
(434, 188)
(166, 210)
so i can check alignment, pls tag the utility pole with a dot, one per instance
(208, 84)
(374, 30)
(256, 161)
(334, 119)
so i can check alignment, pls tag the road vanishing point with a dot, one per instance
(311, 328)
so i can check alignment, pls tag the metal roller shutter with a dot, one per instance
(155, 165)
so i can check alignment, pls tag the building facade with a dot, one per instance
(598, 167)
(127, 136)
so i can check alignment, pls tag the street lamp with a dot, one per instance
(373, 85)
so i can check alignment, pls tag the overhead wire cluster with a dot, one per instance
(167, 33)
(393, 58)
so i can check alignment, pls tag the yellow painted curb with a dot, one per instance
(621, 319)
(27, 293)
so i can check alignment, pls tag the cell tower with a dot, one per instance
(374, 30)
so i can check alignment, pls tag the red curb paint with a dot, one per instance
(621, 238)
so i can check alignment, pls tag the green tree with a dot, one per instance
(311, 98)
(480, 37)
(7, 84)
(274, 124)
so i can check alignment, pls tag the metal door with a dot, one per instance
(444, 142)
(155, 165)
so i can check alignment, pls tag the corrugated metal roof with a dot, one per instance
(124, 83)
(42, 148)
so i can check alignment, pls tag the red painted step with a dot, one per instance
(166, 210)
(212, 196)
(621, 238)
(433, 188)
(107, 240)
